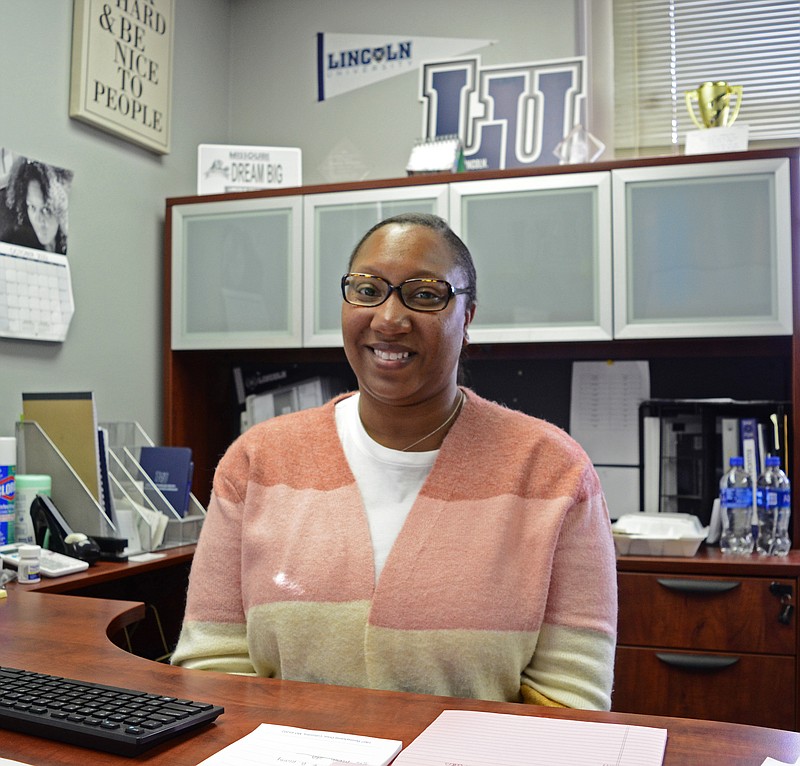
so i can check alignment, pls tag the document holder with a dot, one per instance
(134, 489)
(139, 513)
(36, 454)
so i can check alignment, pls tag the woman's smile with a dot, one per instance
(387, 355)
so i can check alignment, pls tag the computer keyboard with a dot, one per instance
(113, 719)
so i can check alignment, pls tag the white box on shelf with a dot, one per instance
(658, 534)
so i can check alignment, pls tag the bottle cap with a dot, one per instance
(772, 460)
(8, 450)
(29, 551)
(42, 483)
(737, 460)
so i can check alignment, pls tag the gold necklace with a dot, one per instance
(438, 428)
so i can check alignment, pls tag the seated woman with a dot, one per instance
(412, 535)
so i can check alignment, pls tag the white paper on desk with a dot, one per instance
(604, 409)
(496, 739)
(773, 762)
(621, 488)
(274, 745)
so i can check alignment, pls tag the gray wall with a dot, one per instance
(116, 205)
(243, 72)
(273, 72)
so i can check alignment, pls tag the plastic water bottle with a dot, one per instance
(774, 506)
(736, 510)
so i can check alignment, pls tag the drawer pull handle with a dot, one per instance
(696, 661)
(698, 586)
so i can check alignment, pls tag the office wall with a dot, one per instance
(116, 205)
(243, 72)
(368, 133)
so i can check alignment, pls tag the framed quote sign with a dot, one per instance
(122, 68)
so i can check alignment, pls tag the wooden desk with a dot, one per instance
(160, 583)
(709, 636)
(66, 635)
(105, 572)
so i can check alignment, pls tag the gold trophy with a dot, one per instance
(714, 102)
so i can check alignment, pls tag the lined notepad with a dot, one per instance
(497, 739)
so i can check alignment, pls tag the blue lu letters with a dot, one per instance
(506, 116)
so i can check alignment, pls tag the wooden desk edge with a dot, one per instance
(107, 571)
(710, 561)
(41, 633)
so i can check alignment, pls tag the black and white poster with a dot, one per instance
(36, 300)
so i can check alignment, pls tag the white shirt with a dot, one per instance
(389, 480)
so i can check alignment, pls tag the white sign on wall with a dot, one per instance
(222, 169)
(122, 68)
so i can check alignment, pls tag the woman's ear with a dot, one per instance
(469, 315)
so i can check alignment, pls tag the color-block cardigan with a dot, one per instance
(501, 584)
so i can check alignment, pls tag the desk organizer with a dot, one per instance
(140, 512)
(134, 489)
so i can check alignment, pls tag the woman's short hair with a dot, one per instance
(461, 253)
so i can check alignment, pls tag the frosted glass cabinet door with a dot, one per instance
(703, 250)
(542, 250)
(333, 225)
(237, 274)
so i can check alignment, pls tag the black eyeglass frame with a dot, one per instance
(451, 291)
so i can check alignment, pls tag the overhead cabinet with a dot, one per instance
(333, 225)
(236, 274)
(703, 250)
(667, 250)
(542, 250)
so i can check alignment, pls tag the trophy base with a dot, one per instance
(716, 140)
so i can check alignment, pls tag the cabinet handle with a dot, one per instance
(696, 661)
(698, 586)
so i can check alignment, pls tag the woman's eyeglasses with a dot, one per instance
(416, 294)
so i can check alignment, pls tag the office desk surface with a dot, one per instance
(66, 635)
(110, 571)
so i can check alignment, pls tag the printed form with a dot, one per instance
(470, 738)
(604, 420)
(275, 745)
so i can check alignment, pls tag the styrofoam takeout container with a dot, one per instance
(658, 534)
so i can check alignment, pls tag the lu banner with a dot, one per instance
(347, 62)
(507, 116)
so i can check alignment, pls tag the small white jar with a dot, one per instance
(29, 563)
